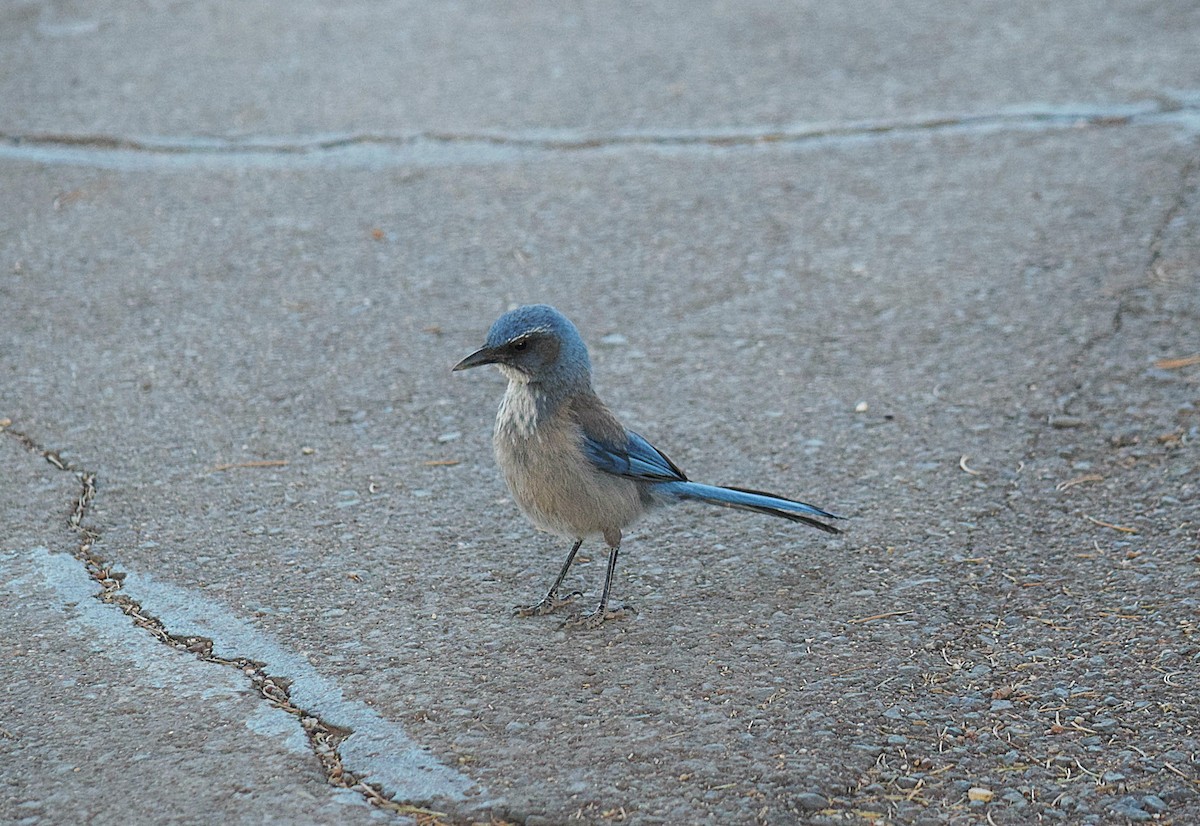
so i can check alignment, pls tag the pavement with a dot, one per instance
(933, 268)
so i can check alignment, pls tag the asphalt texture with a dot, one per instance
(936, 269)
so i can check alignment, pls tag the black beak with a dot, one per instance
(484, 355)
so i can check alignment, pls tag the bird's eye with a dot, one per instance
(520, 344)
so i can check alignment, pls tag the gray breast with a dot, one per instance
(549, 475)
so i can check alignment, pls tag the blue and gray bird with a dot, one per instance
(569, 463)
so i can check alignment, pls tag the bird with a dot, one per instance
(571, 466)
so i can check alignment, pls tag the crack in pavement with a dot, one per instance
(434, 148)
(324, 738)
(1071, 380)
(1071, 384)
(1187, 189)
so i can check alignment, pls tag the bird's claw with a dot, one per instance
(594, 619)
(549, 604)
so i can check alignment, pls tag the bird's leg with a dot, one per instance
(595, 618)
(552, 601)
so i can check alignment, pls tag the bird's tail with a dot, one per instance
(750, 500)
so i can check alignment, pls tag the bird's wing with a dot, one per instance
(635, 459)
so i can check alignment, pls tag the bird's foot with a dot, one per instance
(594, 619)
(549, 604)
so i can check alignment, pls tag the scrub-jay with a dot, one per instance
(570, 465)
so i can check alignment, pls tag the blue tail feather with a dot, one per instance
(753, 500)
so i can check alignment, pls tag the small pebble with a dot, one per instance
(1154, 803)
(1014, 797)
(810, 801)
(1136, 815)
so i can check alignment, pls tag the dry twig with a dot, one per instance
(1175, 364)
(260, 463)
(1103, 524)
(884, 615)
(1079, 480)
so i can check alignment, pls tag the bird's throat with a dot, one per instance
(525, 405)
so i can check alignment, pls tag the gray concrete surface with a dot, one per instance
(935, 270)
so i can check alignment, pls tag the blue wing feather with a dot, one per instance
(641, 461)
(636, 459)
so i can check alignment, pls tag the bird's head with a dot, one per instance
(535, 344)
